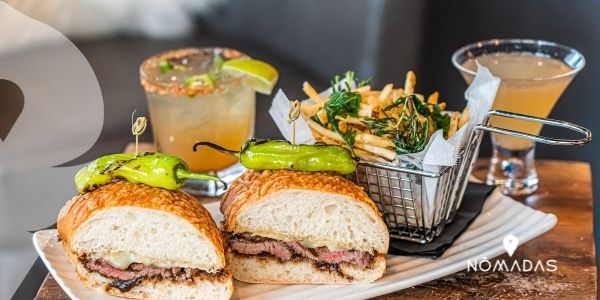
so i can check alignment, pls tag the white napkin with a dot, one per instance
(439, 152)
(480, 96)
(279, 111)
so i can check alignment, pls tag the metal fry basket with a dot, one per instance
(417, 204)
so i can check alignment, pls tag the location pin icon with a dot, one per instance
(510, 243)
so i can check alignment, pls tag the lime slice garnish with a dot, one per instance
(260, 75)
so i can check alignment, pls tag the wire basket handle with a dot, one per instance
(541, 139)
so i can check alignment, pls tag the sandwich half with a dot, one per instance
(302, 227)
(136, 241)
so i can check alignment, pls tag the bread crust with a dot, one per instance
(252, 186)
(124, 193)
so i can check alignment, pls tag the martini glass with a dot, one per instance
(533, 74)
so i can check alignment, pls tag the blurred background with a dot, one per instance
(305, 40)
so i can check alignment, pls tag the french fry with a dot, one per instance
(351, 120)
(367, 99)
(311, 110)
(343, 126)
(325, 139)
(372, 93)
(365, 113)
(311, 93)
(374, 140)
(394, 112)
(365, 110)
(464, 117)
(370, 97)
(397, 93)
(324, 131)
(322, 115)
(433, 98)
(385, 93)
(363, 89)
(368, 156)
(363, 154)
(453, 124)
(409, 83)
(383, 152)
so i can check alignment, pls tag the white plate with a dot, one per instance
(500, 216)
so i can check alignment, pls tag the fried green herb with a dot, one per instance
(408, 122)
(441, 120)
(416, 131)
(350, 77)
(409, 132)
(381, 127)
(343, 102)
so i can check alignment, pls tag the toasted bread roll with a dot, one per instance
(317, 223)
(137, 241)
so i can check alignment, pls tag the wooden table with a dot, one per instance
(566, 191)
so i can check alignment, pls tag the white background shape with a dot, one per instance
(61, 119)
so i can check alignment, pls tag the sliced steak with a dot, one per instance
(275, 248)
(246, 243)
(359, 258)
(124, 280)
(299, 249)
(108, 270)
(253, 238)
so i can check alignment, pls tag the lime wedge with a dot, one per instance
(260, 75)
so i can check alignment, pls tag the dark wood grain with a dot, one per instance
(565, 190)
(50, 290)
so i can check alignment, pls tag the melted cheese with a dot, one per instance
(122, 259)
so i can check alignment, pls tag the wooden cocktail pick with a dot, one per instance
(292, 117)
(138, 128)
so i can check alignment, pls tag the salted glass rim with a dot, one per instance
(575, 68)
(150, 83)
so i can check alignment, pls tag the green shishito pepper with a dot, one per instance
(150, 168)
(260, 154)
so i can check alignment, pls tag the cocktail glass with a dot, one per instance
(184, 112)
(533, 77)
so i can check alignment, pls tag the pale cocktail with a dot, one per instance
(519, 93)
(533, 76)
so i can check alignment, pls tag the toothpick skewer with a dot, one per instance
(138, 128)
(292, 117)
